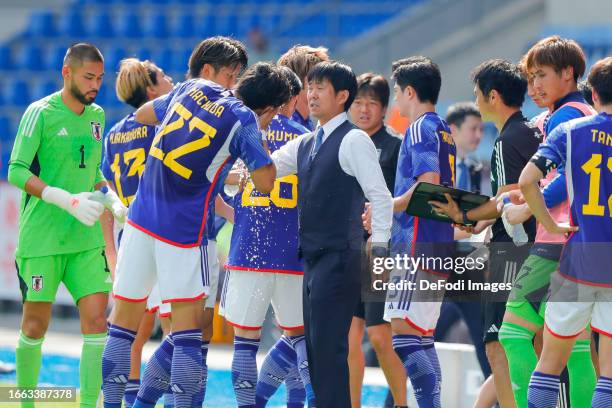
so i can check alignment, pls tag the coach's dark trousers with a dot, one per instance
(331, 292)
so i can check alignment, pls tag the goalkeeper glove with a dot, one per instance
(80, 205)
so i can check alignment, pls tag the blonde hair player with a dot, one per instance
(126, 147)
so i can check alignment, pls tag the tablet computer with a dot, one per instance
(424, 192)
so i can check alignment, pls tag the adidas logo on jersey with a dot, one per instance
(62, 132)
(243, 385)
(303, 365)
(493, 329)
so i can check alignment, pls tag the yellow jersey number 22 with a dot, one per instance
(194, 122)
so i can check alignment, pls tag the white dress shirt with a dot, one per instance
(358, 158)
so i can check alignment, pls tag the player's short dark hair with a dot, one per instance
(82, 52)
(504, 77)
(585, 89)
(263, 85)
(373, 85)
(600, 79)
(558, 53)
(295, 84)
(341, 77)
(457, 112)
(219, 52)
(301, 59)
(422, 74)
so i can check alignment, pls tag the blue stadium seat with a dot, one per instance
(71, 24)
(5, 157)
(102, 96)
(206, 26)
(113, 57)
(31, 58)
(270, 23)
(227, 24)
(143, 54)
(315, 25)
(246, 23)
(102, 25)
(18, 93)
(6, 134)
(157, 25)
(46, 87)
(130, 25)
(109, 96)
(181, 62)
(55, 57)
(164, 57)
(6, 58)
(42, 24)
(184, 26)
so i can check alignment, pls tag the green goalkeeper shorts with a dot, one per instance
(529, 290)
(83, 273)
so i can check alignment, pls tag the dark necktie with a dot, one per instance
(318, 142)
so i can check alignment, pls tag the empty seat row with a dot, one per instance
(131, 24)
(32, 57)
(20, 93)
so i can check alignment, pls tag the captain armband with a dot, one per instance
(543, 163)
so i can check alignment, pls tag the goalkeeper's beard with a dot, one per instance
(81, 97)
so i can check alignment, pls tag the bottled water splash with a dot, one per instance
(230, 189)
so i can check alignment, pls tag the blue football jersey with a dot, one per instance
(265, 234)
(584, 146)
(305, 122)
(125, 151)
(203, 132)
(427, 147)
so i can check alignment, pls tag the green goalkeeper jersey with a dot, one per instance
(64, 150)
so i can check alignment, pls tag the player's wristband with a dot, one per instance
(466, 220)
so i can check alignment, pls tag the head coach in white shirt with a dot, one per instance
(337, 167)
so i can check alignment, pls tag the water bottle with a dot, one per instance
(230, 189)
(516, 232)
(100, 195)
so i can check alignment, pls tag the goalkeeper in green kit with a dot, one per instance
(56, 161)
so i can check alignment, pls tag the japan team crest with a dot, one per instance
(37, 283)
(96, 130)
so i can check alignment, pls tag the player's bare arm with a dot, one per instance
(486, 211)
(401, 203)
(528, 183)
(223, 209)
(146, 114)
(263, 178)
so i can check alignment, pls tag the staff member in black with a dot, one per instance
(337, 168)
(465, 123)
(500, 89)
(368, 113)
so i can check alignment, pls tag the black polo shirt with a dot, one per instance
(516, 143)
(387, 145)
